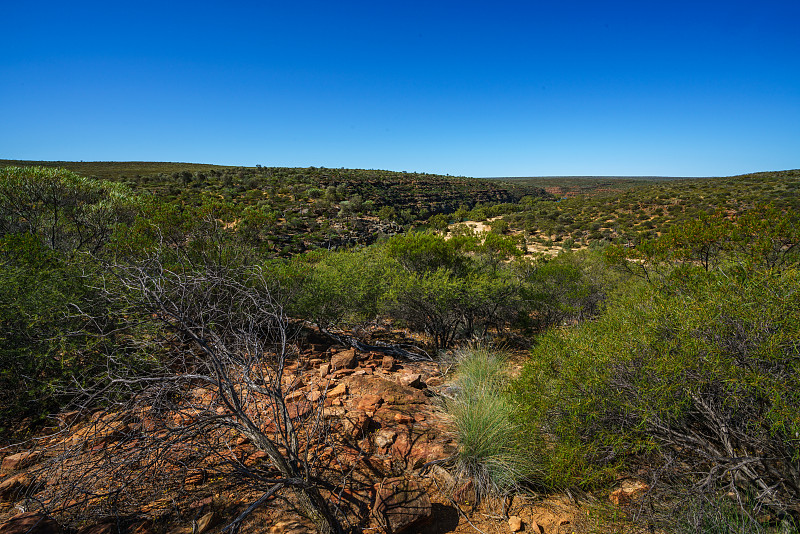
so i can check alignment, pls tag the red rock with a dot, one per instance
(255, 458)
(413, 380)
(403, 419)
(369, 403)
(20, 460)
(298, 410)
(515, 523)
(344, 360)
(384, 438)
(401, 505)
(339, 391)
(30, 523)
(356, 423)
(434, 381)
(67, 418)
(295, 395)
(402, 446)
(13, 486)
(629, 492)
(195, 477)
(106, 527)
(391, 392)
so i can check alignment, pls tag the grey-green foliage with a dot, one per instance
(51, 221)
(492, 452)
(701, 367)
(69, 212)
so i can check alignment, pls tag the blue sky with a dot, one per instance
(700, 88)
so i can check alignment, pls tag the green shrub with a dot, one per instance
(706, 373)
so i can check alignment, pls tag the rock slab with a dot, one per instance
(401, 505)
(31, 523)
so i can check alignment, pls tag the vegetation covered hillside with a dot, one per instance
(629, 211)
(289, 210)
(154, 329)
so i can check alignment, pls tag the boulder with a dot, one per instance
(391, 392)
(346, 359)
(384, 438)
(339, 391)
(356, 423)
(629, 492)
(434, 381)
(369, 403)
(13, 486)
(31, 523)
(106, 527)
(20, 460)
(205, 523)
(401, 505)
(412, 380)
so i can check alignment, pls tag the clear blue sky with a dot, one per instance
(562, 87)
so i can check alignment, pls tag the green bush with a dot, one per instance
(706, 373)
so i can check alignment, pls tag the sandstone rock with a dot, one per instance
(298, 410)
(434, 381)
(20, 460)
(344, 360)
(629, 492)
(254, 458)
(205, 523)
(401, 505)
(289, 527)
(342, 372)
(413, 380)
(515, 523)
(31, 523)
(465, 494)
(391, 392)
(67, 418)
(13, 486)
(384, 438)
(356, 423)
(106, 527)
(369, 403)
(403, 419)
(196, 477)
(339, 391)
(296, 395)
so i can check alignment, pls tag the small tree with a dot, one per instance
(201, 370)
